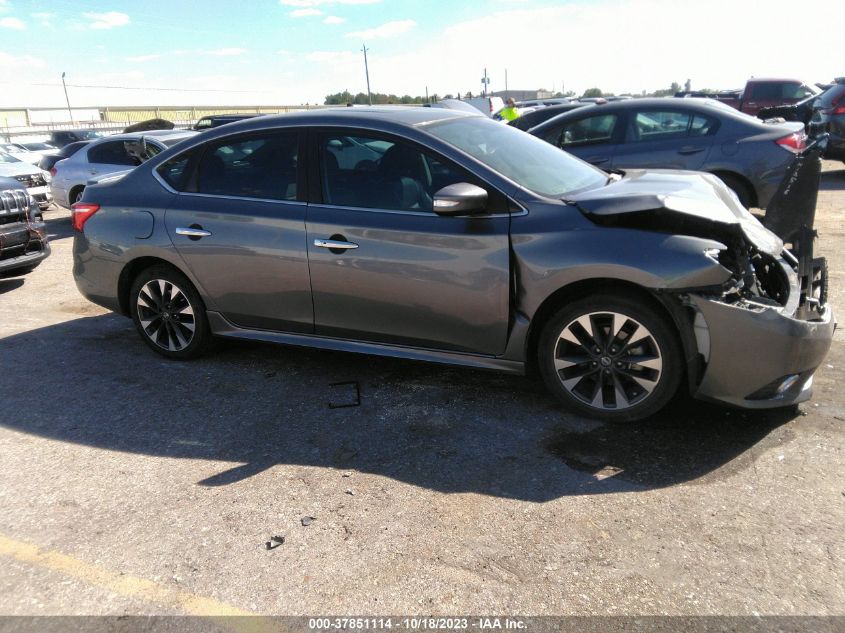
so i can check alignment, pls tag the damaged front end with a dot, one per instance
(755, 339)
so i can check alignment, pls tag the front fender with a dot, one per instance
(548, 262)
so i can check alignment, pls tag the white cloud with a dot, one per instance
(12, 23)
(319, 3)
(16, 62)
(107, 20)
(227, 52)
(388, 29)
(145, 58)
(333, 19)
(303, 13)
(331, 57)
(44, 18)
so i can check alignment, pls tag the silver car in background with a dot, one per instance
(105, 156)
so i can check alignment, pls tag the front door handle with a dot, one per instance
(686, 151)
(194, 232)
(335, 244)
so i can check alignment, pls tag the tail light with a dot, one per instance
(795, 142)
(837, 106)
(80, 212)
(53, 172)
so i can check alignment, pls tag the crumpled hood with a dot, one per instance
(686, 193)
(18, 169)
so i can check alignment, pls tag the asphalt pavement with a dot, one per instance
(132, 485)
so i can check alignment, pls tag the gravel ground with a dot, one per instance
(133, 485)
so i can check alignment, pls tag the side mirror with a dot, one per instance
(461, 198)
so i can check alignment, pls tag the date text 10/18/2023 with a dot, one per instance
(416, 624)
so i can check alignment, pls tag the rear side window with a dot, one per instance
(176, 171)
(666, 125)
(259, 166)
(589, 131)
(766, 91)
(112, 153)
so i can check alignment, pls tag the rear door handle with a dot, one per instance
(691, 150)
(193, 232)
(335, 244)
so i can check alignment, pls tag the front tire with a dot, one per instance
(169, 313)
(614, 358)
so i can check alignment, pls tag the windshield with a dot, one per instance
(35, 147)
(8, 147)
(5, 158)
(520, 157)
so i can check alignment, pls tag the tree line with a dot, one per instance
(379, 98)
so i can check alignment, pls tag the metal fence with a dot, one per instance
(37, 123)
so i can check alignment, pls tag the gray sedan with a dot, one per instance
(434, 235)
(749, 155)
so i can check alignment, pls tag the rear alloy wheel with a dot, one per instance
(169, 314)
(610, 358)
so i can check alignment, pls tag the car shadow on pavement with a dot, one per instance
(58, 228)
(832, 180)
(448, 429)
(9, 282)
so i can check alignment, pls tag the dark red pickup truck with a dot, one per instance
(765, 93)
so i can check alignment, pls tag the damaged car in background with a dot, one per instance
(23, 239)
(436, 235)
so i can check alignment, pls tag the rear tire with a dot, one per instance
(169, 313)
(610, 357)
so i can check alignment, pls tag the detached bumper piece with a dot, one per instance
(761, 358)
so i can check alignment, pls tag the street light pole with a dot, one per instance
(367, 71)
(70, 113)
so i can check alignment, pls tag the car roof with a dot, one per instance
(343, 115)
(158, 134)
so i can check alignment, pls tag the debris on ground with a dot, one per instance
(306, 521)
(274, 542)
(353, 393)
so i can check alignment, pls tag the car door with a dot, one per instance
(665, 138)
(238, 222)
(591, 138)
(385, 268)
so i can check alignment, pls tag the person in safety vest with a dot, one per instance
(510, 111)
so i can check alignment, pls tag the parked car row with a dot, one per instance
(749, 155)
(449, 237)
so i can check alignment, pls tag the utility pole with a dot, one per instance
(485, 81)
(367, 70)
(506, 80)
(70, 113)
(426, 95)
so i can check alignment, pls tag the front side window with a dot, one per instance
(378, 173)
(259, 166)
(590, 131)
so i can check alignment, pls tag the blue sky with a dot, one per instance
(297, 51)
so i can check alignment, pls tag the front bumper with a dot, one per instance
(752, 349)
(24, 256)
(42, 195)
